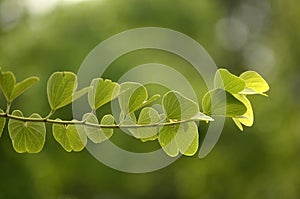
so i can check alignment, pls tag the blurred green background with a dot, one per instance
(263, 35)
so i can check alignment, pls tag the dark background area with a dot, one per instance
(261, 162)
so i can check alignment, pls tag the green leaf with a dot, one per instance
(182, 138)
(2, 123)
(247, 118)
(10, 89)
(133, 97)
(148, 115)
(102, 92)
(255, 84)
(187, 139)
(221, 103)
(27, 136)
(61, 89)
(166, 139)
(229, 82)
(98, 135)
(7, 83)
(178, 107)
(70, 137)
(22, 86)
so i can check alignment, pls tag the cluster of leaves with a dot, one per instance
(174, 126)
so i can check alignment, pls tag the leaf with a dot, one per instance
(10, 89)
(7, 83)
(102, 92)
(133, 97)
(247, 118)
(2, 123)
(98, 135)
(255, 84)
(61, 89)
(178, 107)
(166, 139)
(229, 82)
(182, 138)
(22, 86)
(70, 137)
(187, 139)
(148, 115)
(27, 136)
(221, 103)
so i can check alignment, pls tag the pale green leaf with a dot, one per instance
(229, 82)
(102, 92)
(182, 138)
(255, 84)
(70, 137)
(60, 89)
(27, 136)
(22, 86)
(221, 103)
(98, 135)
(147, 115)
(178, 107)
(166, 139)
(7, 83)
(187, 139)
(2, 123)
(134, 96)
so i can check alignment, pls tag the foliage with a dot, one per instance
(175, 128)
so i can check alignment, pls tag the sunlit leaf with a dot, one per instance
(247, 118)
(27, 136)
(221, 103)
(229, 82)
(61, 89)
(98, 135)
(178, 107)
(70, 137)
(202, 117)
(2, 123)
(255, 84)
(102, 92)
(11, 89)
(182, 138)
(22, 86)
(147, 116)
(134, 96)
(7, 83)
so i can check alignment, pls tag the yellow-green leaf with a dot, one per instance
(27, 136)
(229, 82)
(255, 84)
(102, 92)
(70, 137)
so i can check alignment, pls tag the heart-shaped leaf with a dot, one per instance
(255, 84)
(27, 136)
(221, 103)
(98, 135)
(182, 138)
(102, 92)
(229, 82)
(61, 89)
(133, 97)
(70, 137)
(247, 118)
(2, 123)
(178, 107)
(10, 89)
(148, 115)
